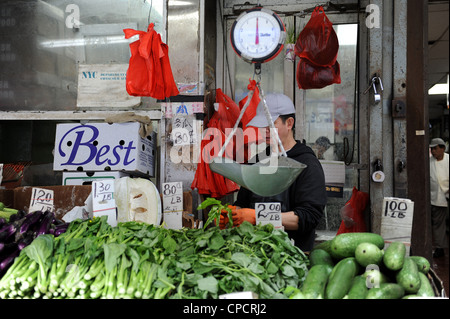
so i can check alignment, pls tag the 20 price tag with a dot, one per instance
(103, 202)
(41, 200)
(268, 213)
(173, 204)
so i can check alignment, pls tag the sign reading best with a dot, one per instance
(104, 147)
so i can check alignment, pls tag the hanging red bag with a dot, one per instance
(318, 41)
(310, 76)
(149, 71)
(353, 213)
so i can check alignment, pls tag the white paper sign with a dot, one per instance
(104, 85)
(268, 213)
(183, 130)
(103, 202)
(41, 200)
(397, 219)
(173, 204)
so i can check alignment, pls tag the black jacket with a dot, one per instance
(306, 197)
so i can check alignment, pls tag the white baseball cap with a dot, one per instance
(436, 142)
(278, 104)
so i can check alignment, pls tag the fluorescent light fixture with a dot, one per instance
(101, 40)
(439, 89)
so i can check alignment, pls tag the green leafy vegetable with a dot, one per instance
(215, 211)
(138, 260)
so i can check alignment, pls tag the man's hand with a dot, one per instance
(224, 220)
(243, 214)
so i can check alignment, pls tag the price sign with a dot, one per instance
(173, 205)
(397, 219)
(268, 213)
(183, 131)
(41, 200)
(103, 202)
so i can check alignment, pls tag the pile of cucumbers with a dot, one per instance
(359, 266)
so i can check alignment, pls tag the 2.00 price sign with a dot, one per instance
(268, 213)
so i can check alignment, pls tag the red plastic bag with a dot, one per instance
(149, 71)
(310, 76)
(250, 112)
(353, 213)
(318, 41)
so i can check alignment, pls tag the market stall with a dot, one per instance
(152, 155)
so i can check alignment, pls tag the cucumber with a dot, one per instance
(386, 291)
(368, 254)
(425, 290)
(359, 289)
(423, 265)
(341, 278)
(325, 245)
(320, 257)
(394, 256)
(408, 276)
(314, 284)
(344, 245)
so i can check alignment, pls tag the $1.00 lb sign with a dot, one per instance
(396, 219)
(268, 213)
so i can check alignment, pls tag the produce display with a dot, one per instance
(138, 260)
(18, 229)
(359, 266)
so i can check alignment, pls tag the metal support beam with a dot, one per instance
(418, 122)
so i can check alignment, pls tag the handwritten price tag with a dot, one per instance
(268, 213)
(173, 204)
(397, 219)
(103, 202)
(41, 200)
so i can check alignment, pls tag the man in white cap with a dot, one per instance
(303, 203)
(439, 175)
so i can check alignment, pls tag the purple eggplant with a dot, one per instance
(61, 229)
(47, 221)
(30, 219)
(25, 241)
(4, 265)
(6, 232)
(3, 222)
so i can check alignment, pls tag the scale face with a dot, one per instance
(258, 35)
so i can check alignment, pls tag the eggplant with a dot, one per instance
(30, 219)
(6, 249)
(6, 232)
(4, 265)
(25, 241)
(3, 222)
(47, 221)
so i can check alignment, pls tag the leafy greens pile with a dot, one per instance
(137, 260)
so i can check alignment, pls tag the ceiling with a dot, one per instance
(438, 53)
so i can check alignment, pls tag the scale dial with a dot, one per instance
(258, 35)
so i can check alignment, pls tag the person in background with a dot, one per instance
(439, 194)
(303, 203)
(322, 148)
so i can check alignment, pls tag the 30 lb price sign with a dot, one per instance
(396, 220)
(103, 202)
(268, 213)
